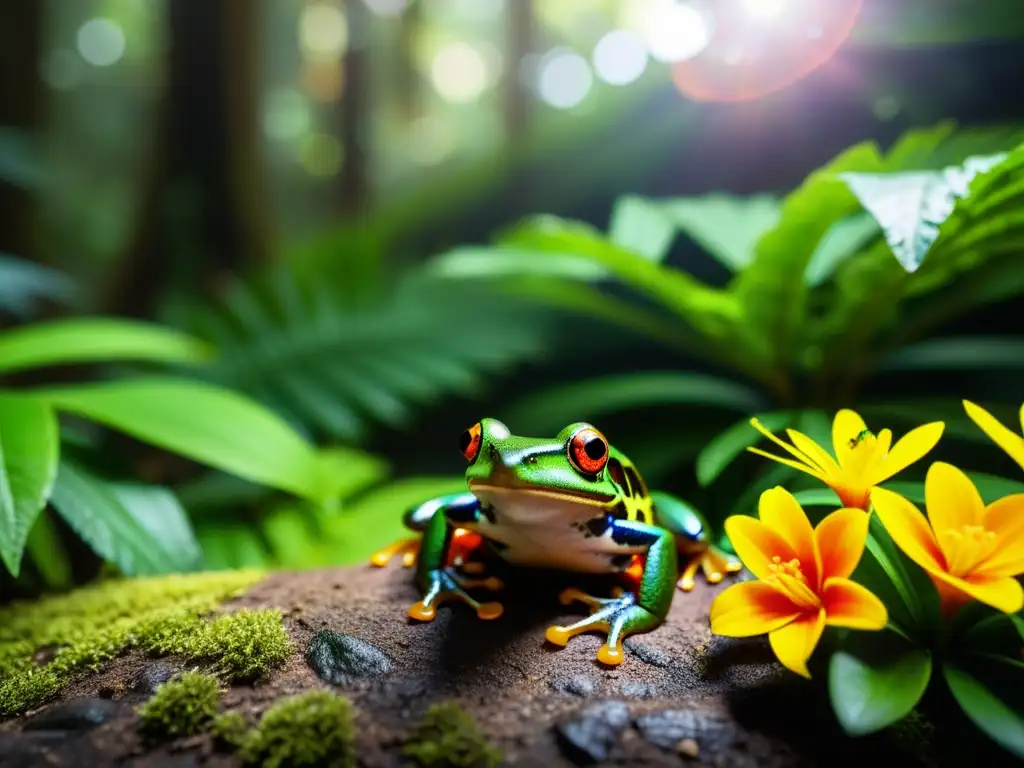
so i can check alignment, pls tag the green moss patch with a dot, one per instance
(313, 728)
(449, 736)
(158, 615)
(229, 730)
(183, 706)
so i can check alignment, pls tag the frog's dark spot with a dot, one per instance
(621, 561)
(667, 728)
(589, 735)
(648, 654)
(620, 511)
(74, 715)
(596, 526)
(341, 659)
(617, 474)
(488, 512)
(152, 677)
(577, 685)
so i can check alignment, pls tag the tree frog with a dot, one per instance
(572, 503)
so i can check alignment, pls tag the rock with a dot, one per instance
(638, 690)
(340, 659)
(647, 654)
(590, 734)
(669, 728)
(75, 715)
(577, 685)
(152, 677)
(688, 748)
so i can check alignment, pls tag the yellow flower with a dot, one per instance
(861, 461)
(1000, 435)
(970, 551)
(803, 578)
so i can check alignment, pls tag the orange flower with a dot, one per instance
(803, 578)
(862, 460)
(1011, 443)
(970, 551)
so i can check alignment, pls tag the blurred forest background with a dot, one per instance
(278, 179)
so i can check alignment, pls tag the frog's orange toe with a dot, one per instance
(422, 612)
(488, 611)
(612, 655)
(559, 636)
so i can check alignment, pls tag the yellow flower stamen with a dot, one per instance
(967, 546)
(790, 580)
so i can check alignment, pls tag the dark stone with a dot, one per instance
(74, 715)
(647, 654)
(577, 685)
(341, 659)
(667, 728)
(639, 690)
(590, 734)
(152, 677)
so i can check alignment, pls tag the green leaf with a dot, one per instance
(473, 261)
(208, 424)
(910, 207)
(977, 353)
(914, 491)
(29, 448)
(591, 399)
(115, 531)
(89, 340)
(989, 692)
(818, 497)
(727, 227)
(727, 445)
(160, 513)
(915, 588)
(841, 242)
(22, 283)
(641, 226)
(876, 680)
(992, 487)
(48, 554)
(231, 544)
(374, 520)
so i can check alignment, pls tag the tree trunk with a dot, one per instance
(203, 213)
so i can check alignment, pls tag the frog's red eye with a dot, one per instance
(470, 442)
(588, 450)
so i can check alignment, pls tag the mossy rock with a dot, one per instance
(157, 615)
(183, 706)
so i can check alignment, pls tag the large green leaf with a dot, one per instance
(88, 340)
(910, 207)
(720, 452)
(23, 283)
(591, 399)
(209, 424)
(129, 536)
(160, 513)
(990, 694)
(976, 353)
(876, 680)
(641, 226)
(29, 449)
(843, 240)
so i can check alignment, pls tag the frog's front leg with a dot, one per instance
(441, 583)
(627, 613)
(418, 519)
(693, 542)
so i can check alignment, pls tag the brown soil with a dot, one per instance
(743, 709)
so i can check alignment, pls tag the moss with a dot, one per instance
(313, 728)
(229, 729)
(91, 625)
(449, 736)
(246, 644)
(183, 706)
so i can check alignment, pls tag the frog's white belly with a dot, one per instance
(538, 532)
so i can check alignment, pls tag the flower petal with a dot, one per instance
(781, 512)
(756, 544)
(999, 434)
(953, 502)
(794, 643)
(1005, 518)
(816, 455)
(845, 426)
(909, 529)
(790, 463)
(848, 604)
(1002, 593)
(908, 449)
(840, 538)
(751, 608)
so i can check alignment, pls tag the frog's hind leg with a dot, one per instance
(626, 613)
(416, 519)
(696, 552)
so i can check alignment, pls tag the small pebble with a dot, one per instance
(688, 748)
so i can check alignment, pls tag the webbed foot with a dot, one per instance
(407, 548)
(447, 585)
(715, 564)
(616, 616)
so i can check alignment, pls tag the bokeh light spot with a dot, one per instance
(620, 57)
(323, 30)
(101, 42)
(676, 31)
(286, 115)
(764, 9)
(459, 73)
(564, 79)
(321, 155)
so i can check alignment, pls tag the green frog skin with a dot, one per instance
(572, 503)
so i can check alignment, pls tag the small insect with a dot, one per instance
(859, 437)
